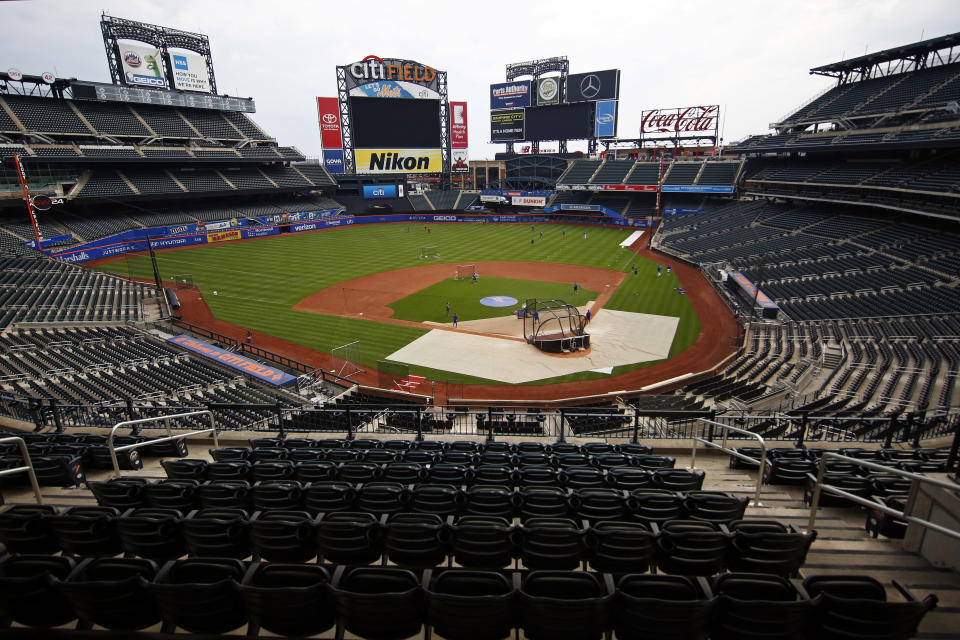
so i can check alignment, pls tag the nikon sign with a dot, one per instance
(399, 161)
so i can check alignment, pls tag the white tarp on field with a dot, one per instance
(616, 338)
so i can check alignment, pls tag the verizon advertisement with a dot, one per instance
(528, 201)
(328, 111)
(458, 125)
(680, 121)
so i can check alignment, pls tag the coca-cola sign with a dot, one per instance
(680, 121)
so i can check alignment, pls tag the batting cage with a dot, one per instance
(396, 375)
(346, 359)
(465, 271)
(183, 281)
(554, 326)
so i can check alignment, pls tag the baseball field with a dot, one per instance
(369, 284)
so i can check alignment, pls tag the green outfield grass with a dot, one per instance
(464, 297)
(259, 281)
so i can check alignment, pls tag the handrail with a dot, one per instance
(763, 452)
(28, 466)
(903, 515)
(169, 437)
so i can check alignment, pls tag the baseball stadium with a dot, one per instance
(665, 387)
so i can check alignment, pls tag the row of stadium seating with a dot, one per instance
(80, 118)
(924, 89)
(941, 174)
(888, 366)
(388, 602)
(928, 133)
(628, 172)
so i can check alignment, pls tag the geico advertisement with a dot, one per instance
(398, 160)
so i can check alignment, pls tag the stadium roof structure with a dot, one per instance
(918, 55)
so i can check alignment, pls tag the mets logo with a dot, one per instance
(131, 59)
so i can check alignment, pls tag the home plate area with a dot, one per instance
(616, 338)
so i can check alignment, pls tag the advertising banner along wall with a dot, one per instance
(605, 122)
(595, 85)
(233, 360)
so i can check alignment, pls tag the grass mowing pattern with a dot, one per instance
(259, 281)
(464, 297)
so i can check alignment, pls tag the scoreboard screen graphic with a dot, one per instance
(395, 122)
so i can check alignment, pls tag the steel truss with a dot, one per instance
(163, 38)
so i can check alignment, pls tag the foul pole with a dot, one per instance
(26, 198)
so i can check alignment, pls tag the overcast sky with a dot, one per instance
(752, 58)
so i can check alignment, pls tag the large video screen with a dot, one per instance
(560, 122)
(380, 123)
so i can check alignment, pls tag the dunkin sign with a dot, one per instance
(680, 121)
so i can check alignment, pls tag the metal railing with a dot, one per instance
(168, 438)
(27, 466)
(711, 425)
(879, 506)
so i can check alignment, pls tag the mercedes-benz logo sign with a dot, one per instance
(590, 86)
(329, 118)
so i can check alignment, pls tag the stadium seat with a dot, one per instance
(692, 548)
(713, 506)
(218, 533)
(200, 595)
(382, 497)
(86, 531)
(152, 532)
(678, 479)
(483, 542)
(110, 592)
(276, 494)
(415, 540)
(758, 606)
(542, 502)
(27, 595)
(378, 602)
(24, 528)
(349, 537)
(172, 494)
(662, 606)
(230, 470)
(329, 496)
(224, 494)
(620, 547)
(654, 505)
(550, 543)
(594, 505)
(760, 547)
(562, 605)
(288, 599)
(314, 470)
(189, 469)
(121, 493)
(437, 499)
(856, 607)
(283, 536)
(489, 500)
(479, 605)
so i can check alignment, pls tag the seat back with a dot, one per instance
(289, 599)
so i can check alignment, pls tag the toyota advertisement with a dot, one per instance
(328, 112)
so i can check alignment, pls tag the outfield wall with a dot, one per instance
(188, 235)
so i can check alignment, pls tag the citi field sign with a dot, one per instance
(373, 68)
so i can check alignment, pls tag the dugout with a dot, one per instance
(553, 326)
(750, 294)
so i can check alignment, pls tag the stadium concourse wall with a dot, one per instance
(212, 233)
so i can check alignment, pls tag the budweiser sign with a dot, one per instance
(679, 121)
